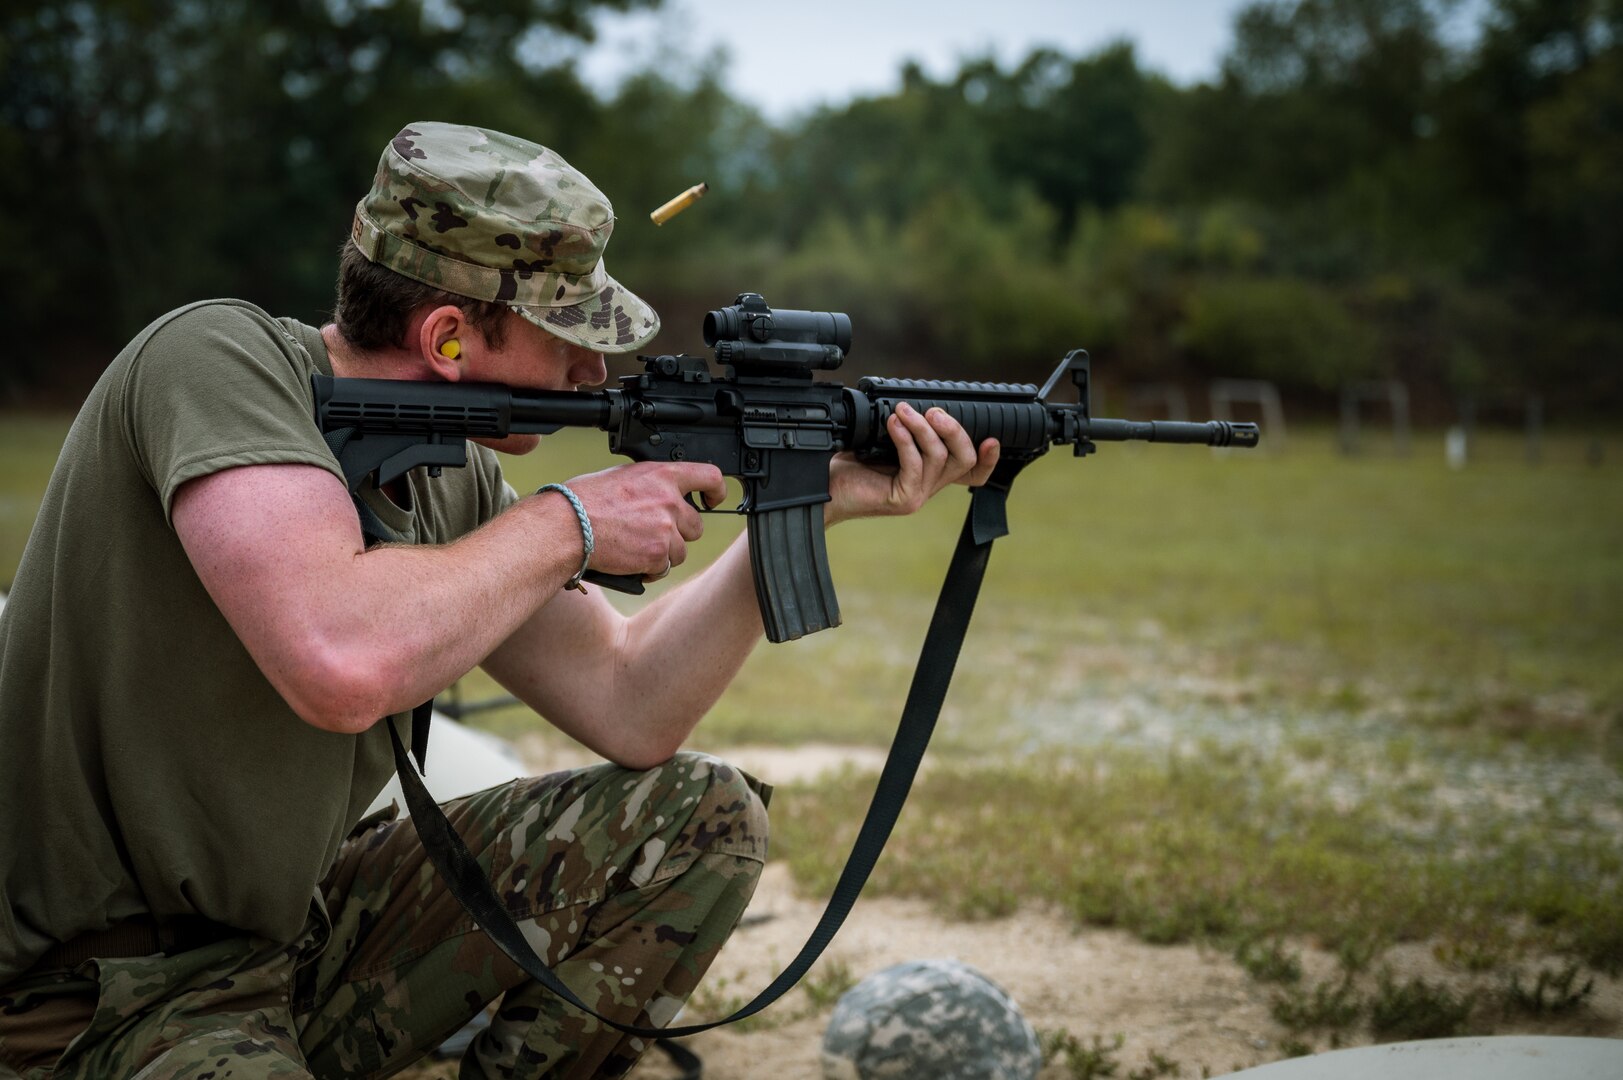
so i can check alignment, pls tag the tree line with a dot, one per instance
(1362, 191)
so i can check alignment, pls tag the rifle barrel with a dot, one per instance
(1207, 433)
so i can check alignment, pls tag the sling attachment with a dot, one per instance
(468, 883)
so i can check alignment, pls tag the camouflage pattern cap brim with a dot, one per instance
(494, 217)
(615, 320)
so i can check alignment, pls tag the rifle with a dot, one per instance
(768, 422)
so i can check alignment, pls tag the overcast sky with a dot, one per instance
(787, 56)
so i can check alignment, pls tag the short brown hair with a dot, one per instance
(374, 305)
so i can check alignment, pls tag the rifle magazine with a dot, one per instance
(790, 565)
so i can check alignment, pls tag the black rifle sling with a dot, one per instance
(948, 625)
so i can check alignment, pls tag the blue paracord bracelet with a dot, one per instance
(585, 531)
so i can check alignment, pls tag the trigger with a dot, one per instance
(702, 507)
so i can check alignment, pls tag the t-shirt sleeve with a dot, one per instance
(216, 387)
(495, 493)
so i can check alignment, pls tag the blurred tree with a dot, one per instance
(1535, 129)
(1441, 208)
(1073, 130)
(169, 151)
(886, 156)
(1279, 328)
(1321, 113)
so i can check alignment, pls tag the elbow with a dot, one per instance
(334, 689)
(640, 758)
(644, 743)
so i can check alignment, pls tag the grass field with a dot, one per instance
(1244, 698)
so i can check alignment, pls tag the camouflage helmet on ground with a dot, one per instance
(929, 1018)
(494, 217)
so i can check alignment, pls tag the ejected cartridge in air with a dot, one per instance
(679, 204)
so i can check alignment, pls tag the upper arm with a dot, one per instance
(268, 542)
(216, 387)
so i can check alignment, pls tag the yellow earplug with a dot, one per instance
(451, 349)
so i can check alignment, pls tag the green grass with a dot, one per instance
(1222, 845)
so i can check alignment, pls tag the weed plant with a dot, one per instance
(1269, 961)
(1553, 992)
(1416, 1008)
(1333, 1005)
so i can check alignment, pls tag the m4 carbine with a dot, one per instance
(768, 422)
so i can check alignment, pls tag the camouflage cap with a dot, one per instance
(494, 217)
(935, 1018)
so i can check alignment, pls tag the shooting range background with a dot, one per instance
(1319, 745)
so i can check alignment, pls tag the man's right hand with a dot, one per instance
(641, 520)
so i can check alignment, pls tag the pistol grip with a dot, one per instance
(626, 583)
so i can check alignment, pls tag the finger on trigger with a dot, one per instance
(704, 479)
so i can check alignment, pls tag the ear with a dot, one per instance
(440, 326)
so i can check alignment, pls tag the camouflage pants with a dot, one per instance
(626, 882)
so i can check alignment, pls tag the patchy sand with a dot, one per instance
(1193, 1006)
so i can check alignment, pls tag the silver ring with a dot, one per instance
(665, 573)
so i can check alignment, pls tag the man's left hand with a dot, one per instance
(932, 451)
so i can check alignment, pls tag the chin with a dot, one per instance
(513, 444)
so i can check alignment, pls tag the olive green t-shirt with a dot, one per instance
(146, 765)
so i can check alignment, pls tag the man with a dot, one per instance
(200, 642)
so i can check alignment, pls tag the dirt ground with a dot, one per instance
(1191, 1005)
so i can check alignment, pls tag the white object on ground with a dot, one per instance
(1498, 1057)
(461, 760)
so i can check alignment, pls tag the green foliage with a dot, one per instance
(1268, 961)
(1097, 1059)
(1278, 328)
(827, 982)
(1554, 992)
(1328, 1006)
(171, 152)
(1418, 1009)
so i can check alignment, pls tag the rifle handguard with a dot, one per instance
(790, 564)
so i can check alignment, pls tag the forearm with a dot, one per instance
(633, 688)
(678, 654)
(423, 616)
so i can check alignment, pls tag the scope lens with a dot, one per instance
(721, 325)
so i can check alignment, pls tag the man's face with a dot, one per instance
(532, 359)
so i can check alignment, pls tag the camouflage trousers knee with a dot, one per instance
(627, 883)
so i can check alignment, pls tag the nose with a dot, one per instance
(588, 368)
